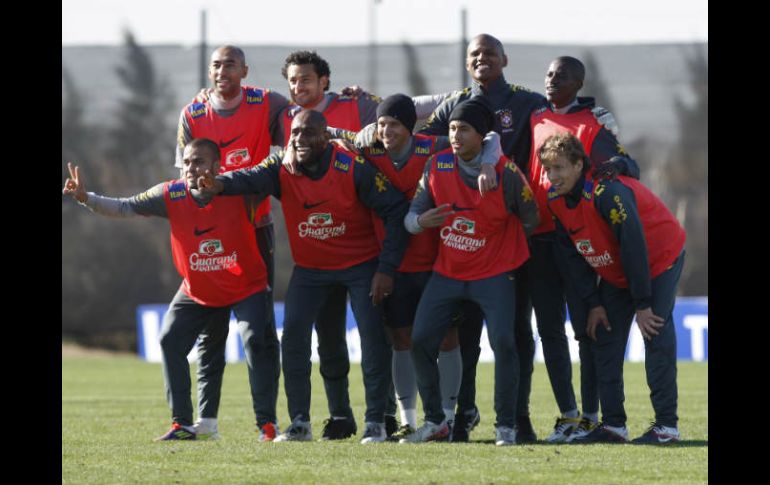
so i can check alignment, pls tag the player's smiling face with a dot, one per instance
(466, 141)
(195, 161)
(562, 174)
(485, 60)
(226, 70)
(305, 87)
(561, 84)
(308, 138)
(392, 133)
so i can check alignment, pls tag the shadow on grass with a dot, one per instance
(680, 444)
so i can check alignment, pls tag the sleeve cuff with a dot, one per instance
(642, 303)
(411, 224)
(387, 269)
(593, 301)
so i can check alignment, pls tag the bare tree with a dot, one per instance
(414, 77)
(72, 128)
(141, 140)
(687, 173)
(111, 266)
(594, 85)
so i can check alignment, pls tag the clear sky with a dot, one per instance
(334, 22)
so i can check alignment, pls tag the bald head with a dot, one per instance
(234, 52)
(485, 59)
(226, 71)
(308, 136)
(488, 39)
(205, 145)
(309, 117)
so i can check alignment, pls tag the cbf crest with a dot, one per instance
(506, 119)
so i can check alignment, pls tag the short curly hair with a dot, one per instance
(564, 145)
(206, 144)
(320, 66)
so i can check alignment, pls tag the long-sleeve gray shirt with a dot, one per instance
(148, 203)
(151, 202)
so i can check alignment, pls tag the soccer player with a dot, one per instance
(482, 242)
(401, 156)
(308, 76)
(512, 105)
(238, 118)
(333, 243)
(215, 251)
(619, 230)
(566, 112)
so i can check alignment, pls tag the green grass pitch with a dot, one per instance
(113, 407)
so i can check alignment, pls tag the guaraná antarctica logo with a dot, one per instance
(320, 225)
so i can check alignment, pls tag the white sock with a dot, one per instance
(409, 416)
(621, 430)
(570, 414)
(206, 425)
(405, 384)
(450, 415)
(450, 368)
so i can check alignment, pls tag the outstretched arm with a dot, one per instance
(148, 203)
(262, 179)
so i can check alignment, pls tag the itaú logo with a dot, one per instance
(459, 235)
(320, 225)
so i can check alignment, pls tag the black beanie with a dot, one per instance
(400, 107)
(476, 112)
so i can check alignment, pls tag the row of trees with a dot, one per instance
(109, 267)
(682, 177)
